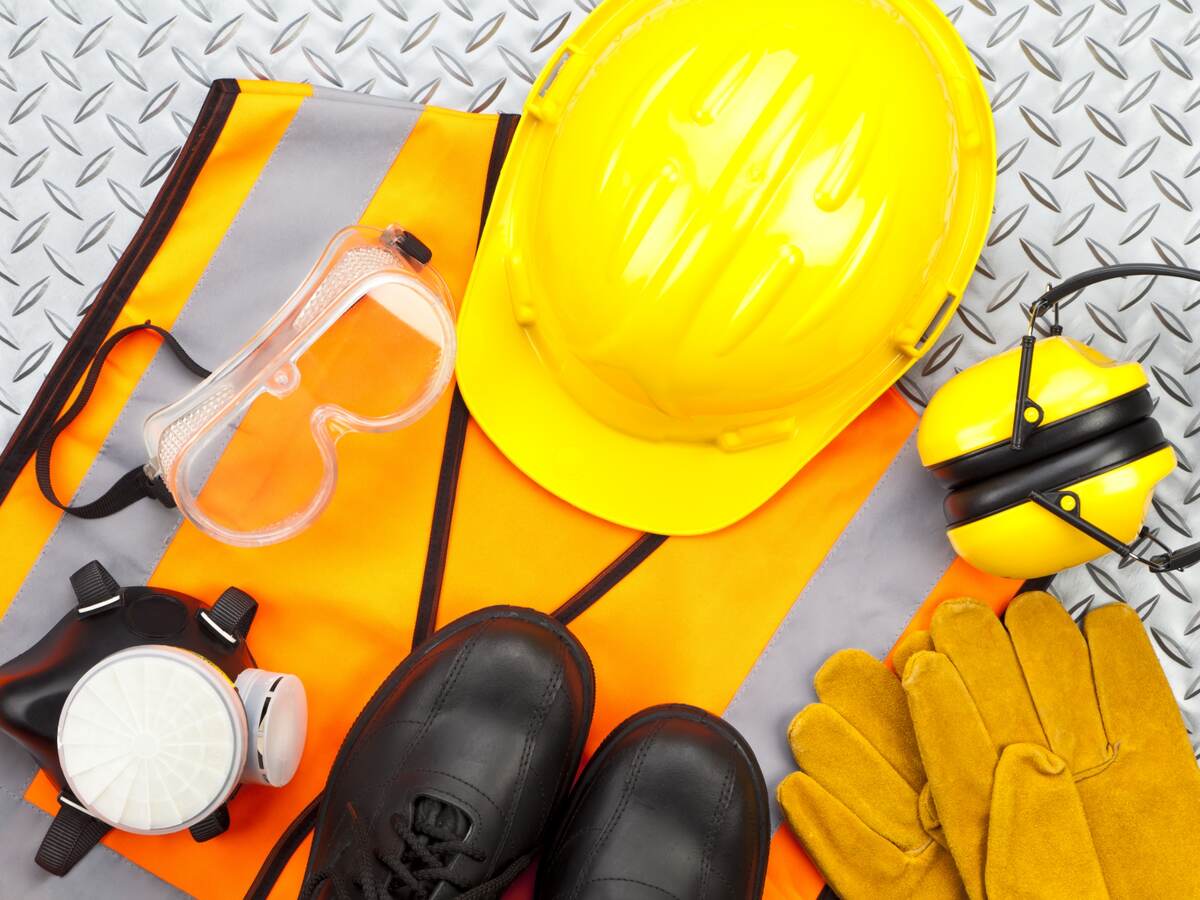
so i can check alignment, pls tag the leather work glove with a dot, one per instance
(855, 803)
(1059, 767)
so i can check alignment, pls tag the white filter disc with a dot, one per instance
(152, 739)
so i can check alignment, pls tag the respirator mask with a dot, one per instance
(146, 710)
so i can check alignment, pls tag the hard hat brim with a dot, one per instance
(664, 487)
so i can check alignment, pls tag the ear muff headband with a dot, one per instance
(1077, 283)
(1027, 415)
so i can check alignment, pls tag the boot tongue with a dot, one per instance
(434, 821)
(433, 816)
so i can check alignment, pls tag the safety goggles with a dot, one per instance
(366, 344)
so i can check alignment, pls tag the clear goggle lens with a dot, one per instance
(365, 345)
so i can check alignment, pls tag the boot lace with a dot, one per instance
(416, 863)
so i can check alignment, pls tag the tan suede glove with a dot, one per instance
(855, 803)
(1059, 767)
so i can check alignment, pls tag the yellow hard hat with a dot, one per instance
(722, 231)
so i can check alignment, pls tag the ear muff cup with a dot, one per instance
(1049, 449)
(1005, 489)
(1095, 455)
(1045, 442)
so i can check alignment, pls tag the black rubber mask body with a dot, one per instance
(34, 686)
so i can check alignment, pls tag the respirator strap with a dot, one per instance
(96, 591)
(134, 484)
(71, 835)
(231, 616)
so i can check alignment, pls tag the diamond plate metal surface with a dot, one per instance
(96, 98)
(1096, 115)
(1096, 123)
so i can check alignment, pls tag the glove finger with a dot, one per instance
(830, 751)
(1135, 699)
(855, 860)
(868, 695)
(908, 646)
(959, 759)
(1054, 658)
(969, 633)
(1039, 844)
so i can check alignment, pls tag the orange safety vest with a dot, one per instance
(431, 522)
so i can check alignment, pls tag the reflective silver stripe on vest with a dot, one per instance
(102, 873)
(863, 595)
(320, 178)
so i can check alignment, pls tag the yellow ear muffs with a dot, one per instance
(1097, 451)
(967, 430)
(995, 526)
(1076, 479)
(966, 435)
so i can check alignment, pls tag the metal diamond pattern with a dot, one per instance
(96, 98)
(1096, 122)
(1096, 114)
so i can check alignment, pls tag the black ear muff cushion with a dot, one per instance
(1047, 440)
(1010, 488)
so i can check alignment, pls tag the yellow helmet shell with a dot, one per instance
(716, 240)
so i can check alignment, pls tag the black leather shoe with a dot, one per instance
(445, 783)
(673, 804)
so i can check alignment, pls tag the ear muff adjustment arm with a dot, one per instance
(1029, 414)
(1066, 506)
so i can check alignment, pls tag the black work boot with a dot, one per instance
(446, 781)
(673, 804)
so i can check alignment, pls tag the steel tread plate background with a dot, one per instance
(1096, 114)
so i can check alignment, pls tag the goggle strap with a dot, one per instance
(134, 484)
